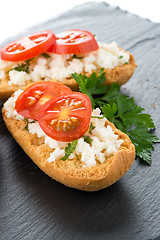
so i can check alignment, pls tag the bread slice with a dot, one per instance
(119, 74)
(71, 172)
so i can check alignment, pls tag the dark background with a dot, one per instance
(32, 206)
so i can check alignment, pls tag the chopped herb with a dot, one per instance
(69, 149)
(27, 122)
(121, 110)
(26, 127)
(97, 117)
(45, 55)
(75, 56)
(120, 56)
(126, 62)
(23, 67)
(87, 139)
(91, 128)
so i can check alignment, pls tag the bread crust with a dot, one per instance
(70, 172)
(119, 75)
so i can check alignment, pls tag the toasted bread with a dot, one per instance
(119, 74)
(71, 172)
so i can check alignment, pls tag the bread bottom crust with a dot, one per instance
(70, 172)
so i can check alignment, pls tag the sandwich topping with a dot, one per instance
(74, 51)
(97, 143)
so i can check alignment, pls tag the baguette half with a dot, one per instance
(119, 74)
(70, 172)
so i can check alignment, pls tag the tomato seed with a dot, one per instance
(32, 101)
(38, 94)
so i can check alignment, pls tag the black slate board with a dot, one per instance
(32, 206)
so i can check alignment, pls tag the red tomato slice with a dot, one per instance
(30, 101)
(74, 41)
(28, 46)
(66, 117)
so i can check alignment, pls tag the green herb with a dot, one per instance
(120, 56)
(126, 62)
(26, 127)
(91, 127)
(128, 117)
(87, 139)
(23, 67)
(69, 149)
(75, 56)
(92, 86)
(27, 122)
(121, 110)
(45, 55)
(97, 117)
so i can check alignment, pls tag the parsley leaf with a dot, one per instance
(75, 56)
(46, 55)
(97, 117)
(92, 86)
(143, 139)
(110, 111)
(27, 122)
(69, 149)
(91, 127)
(23, 67)
(128, 117)
(87, 139)
(26, 127)
(121, 110)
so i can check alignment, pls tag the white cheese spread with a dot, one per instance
(9, 106)
(104, 141)
(61, 66)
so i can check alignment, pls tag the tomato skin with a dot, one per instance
(28, 47)
(30, 101)
(66, 117)
(74, 42)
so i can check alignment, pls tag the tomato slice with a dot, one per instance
(28, 46)
(30, 101)
(74, 41)
(66, 117)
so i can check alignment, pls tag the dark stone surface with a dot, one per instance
(32, 206)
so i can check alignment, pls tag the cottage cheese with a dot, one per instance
(61, 66)
(104, 144)
(9, 106)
